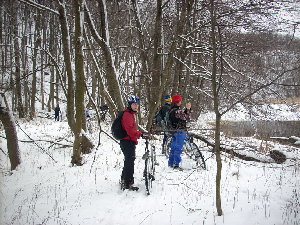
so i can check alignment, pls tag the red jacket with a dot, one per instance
(129, 125)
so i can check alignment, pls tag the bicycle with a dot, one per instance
(150, 162)
(189, 148)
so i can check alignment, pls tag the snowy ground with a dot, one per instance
(42, 191)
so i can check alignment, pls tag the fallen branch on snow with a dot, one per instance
(277, 156)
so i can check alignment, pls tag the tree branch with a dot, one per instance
(39, 6)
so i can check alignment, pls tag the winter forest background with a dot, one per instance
(230, 59)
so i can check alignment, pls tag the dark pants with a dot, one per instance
(56, 116)
(128, 149)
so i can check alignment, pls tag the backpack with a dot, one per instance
(117, 130)
(167, 123)
(160, 115)
(158, 118)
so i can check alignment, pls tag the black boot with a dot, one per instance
(133, 188)
(129, 186)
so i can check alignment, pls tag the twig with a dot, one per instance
(43, 150)
(3, 151)
(32, 141)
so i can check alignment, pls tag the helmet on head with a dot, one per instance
(133, 99)
(168, 98)
(176, 98)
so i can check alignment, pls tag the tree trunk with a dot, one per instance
(68, 64)
(166, 74)
(80, 140)
(17, 64)
(216, 108)
(25, 41)
(37, 44)
(144, 56)
(11, 136)
(50, 104)
(156, 68)
(42, 83)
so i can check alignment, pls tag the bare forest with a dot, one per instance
(89, 53)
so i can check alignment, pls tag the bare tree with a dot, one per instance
(102, 40)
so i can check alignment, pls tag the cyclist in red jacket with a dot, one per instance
(128, 143)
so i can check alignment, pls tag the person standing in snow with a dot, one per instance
(166, 108)
(178, 120)
(87, 113)
(103, 110)
(57, 112)
(129, 142)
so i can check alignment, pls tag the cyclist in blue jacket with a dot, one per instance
(178, 118)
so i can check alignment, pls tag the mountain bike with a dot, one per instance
(150, 162)
(189, 148)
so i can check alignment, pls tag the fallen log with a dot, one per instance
(278, 157)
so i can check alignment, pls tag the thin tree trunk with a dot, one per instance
(216, 108)
(68, 64)
(37, 44)
(156, 68)
(50, 103)
(141, 87)
(18, 64)
(42, 72)
(80, 85)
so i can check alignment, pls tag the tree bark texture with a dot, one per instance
(11, 136)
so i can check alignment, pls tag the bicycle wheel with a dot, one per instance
(149, 170)
(146, 174)
(200, 158)
(151, 167)
(192, 150)
(167, 146)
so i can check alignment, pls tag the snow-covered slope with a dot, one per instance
(42, 191)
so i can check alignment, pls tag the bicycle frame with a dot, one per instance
(150, 161)
(190, 149)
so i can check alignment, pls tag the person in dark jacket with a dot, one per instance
(163, 111)
(178, 120)
(57, 112)
(129, 142)
(167, 106)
